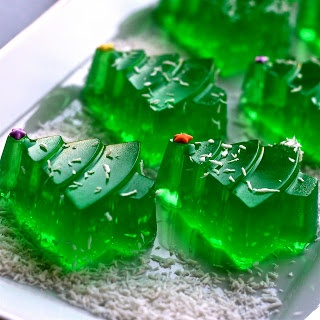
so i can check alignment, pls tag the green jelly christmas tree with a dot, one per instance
(234, 205)
(80, 202)
(282, 99)
(232, 32)
(143, 98)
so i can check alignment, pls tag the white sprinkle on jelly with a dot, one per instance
(296, 89)
(74, 172)
(292, 160)
(216, 162)
(211, 141)
(142, 168)
(176, 79)
(108, 216)
(205, 175)
(147, 84)
(170, 106)
(166, 76)
(216, 171)
(57, 169)
(73, 186)
(171, 140)
(169, 100)
(76, 160)
(234, 155)
(226, 146)
(78, 183)
(43, 147)
(69, 163)
(197, 142)
(90, 172)
(217, 123)
(155, 101)
(265, 190)
(301, 179)
(86, 176)
(95, 144)
(249, 185)
(49, 164)
(214, 94)
(242, 147)
(168, 62)
(206, 155)
(89, 242)
(314, 100)
(229, 170)
(130, 193)
(233, 160)
(231, 179)
(224, 153)
(186, 84)
(146, 95)
(97, 190)
(108, 153)
(155, 71)
(202, 159)
(244, 172)
(106, 168)
(136, 69)
(65, 146)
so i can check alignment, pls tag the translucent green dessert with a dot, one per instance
(308, 23)
(235, 204)
(232, 32)
(80, 202)
(143, 98)
(281, 99)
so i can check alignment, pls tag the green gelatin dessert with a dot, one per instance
(308, 23)
(281, 99)
(137, 97)
(232, 32)
(81, 202)
(235, 204)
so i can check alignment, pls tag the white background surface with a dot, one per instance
(15, 15)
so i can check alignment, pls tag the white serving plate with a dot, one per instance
(30, 67)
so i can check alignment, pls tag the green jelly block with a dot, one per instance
(143, 98)
(282, 99)
(234, 205)
(308, 23)
(80, 202)
(232, 32)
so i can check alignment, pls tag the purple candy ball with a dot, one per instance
(17, 133)
(261, 59)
